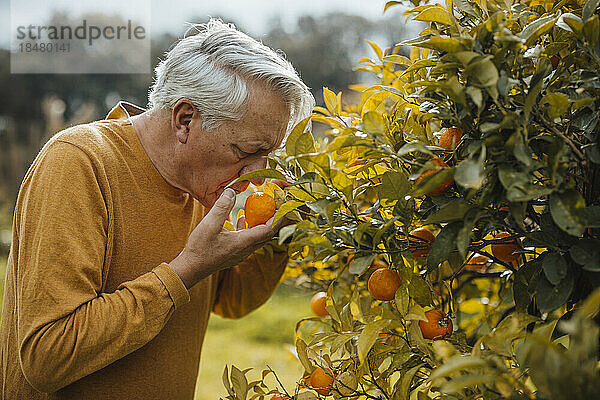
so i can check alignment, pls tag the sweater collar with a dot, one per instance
(121, 112)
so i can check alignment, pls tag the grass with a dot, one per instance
(263, 337)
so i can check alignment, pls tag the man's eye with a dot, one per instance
(242, 153)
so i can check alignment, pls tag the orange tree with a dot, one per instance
(516, 180)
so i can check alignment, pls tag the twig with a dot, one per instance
(572, 145)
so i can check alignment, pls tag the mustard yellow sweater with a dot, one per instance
(91, 308)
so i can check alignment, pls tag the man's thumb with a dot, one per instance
(221, 209)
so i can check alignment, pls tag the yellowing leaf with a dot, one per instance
(376, 49)
(285, 208)
(435, 14)
(330, 101)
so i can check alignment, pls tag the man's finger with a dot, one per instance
(241, 223)
(219, 212)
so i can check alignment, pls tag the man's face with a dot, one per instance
(214, 159)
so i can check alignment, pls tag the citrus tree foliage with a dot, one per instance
(520, 83)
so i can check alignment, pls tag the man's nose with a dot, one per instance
(255, 165)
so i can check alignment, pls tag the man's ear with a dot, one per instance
(181, 118)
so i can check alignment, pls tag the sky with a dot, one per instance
(251, 15)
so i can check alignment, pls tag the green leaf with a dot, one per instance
(524, 278)
(285, 208)
(373, 124)
(593, 216)
(455, 364)
(310, 161)
(419, 290)
(591, 29)
(589, 8)
(568, 211)
(414, 146)
(537, 28)
(368, 337)
(416, 313)
(261, 174)
(549, 297)
(449, 45)
(417, 65)
(518, 187)
(587, 253)
(463, 238)
(330, 101)
(483, 72)
(460, 383)
(555, 267)
(394, 185)
(376, 49)
(402, 300)
(556, 104)
(389, 4)
(360, 264)
(476, 95)
(451, 211)
(397, 59)
(286, 232)
(444, 244)
(402, 390)
(226, 382)
(298, 131)
(239, 382)
(432, 181)
(469, 173)
(340, 181)
(435, 14)
(404, 209)
(464, 6)
(301, 350)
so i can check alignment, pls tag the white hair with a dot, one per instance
(211, 68)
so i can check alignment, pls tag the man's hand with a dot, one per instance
(211, 248)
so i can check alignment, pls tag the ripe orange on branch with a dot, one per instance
(322, 381)
(477, 262)
(318, 303)
(259, 208)
(280, 396)
(383, 284)
(450, 138)
(438, 325)
(444, 186)
(420, 247)
(506, 251)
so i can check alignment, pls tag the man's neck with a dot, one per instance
(158, 145)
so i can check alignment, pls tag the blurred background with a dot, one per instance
(323, 39)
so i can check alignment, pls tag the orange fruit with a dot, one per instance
(421, 246)
(438, 325)
(321, 381)
(450, 138)
(506, 251)
(385, 338)
(444, 185)
(383, 284)
(280, 396)
(318, 303)
(477, 262)
(259, 208)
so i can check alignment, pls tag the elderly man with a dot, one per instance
(115, 265)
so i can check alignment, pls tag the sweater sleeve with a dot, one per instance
(67, 327)
(250, 284)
